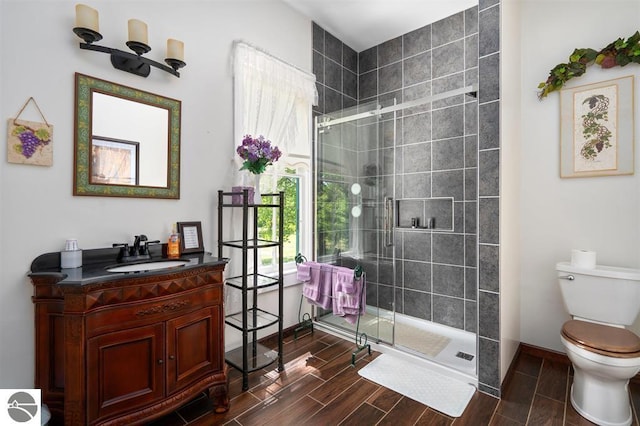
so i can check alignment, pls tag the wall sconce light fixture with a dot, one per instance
(87, 28)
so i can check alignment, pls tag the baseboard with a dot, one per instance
(549, 354)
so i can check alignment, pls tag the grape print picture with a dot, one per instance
(597, 129)
(596, 134)
(29, 143)
(596, 120)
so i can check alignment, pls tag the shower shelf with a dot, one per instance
(421, 228)
(440, 209)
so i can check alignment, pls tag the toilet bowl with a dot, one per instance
(604, 358)
(604, 354)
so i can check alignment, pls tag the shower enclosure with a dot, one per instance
(397, 196)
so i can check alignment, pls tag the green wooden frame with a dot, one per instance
(84, 87)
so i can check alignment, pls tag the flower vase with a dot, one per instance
(257, 197)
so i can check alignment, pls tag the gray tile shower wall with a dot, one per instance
(436, 157)
(448, 148)
(336, 68)
(489, 197)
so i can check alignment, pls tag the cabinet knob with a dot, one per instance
(172, 357)
(160, 361)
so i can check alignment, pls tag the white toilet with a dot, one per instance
(605, 355)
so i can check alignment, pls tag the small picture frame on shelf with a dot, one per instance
(190, 237)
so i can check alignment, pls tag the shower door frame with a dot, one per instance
(379, 111)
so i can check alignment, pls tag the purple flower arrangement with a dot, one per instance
(257, 154)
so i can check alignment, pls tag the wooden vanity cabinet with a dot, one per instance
(126, 351)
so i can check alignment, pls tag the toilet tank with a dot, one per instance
(605, 293)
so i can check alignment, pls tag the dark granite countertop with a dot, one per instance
(95, 263)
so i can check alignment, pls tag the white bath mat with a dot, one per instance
(442, 393)
(423, 341)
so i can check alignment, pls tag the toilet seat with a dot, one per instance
(601, 339)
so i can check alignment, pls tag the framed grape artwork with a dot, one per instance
(596, 129)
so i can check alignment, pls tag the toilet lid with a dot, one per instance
(602, 339)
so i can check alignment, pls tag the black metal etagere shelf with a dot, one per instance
(252, 356)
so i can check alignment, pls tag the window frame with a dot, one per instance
(302, 166)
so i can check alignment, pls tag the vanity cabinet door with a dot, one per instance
(125, 370)
(193, 347)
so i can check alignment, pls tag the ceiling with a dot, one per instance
(362, 24)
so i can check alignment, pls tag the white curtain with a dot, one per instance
(273, 99)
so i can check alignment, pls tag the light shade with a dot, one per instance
(175, 49)
(87, 17)
(138, 31)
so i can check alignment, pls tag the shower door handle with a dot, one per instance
(388, 221)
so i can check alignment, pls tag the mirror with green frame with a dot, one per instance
(127, 141)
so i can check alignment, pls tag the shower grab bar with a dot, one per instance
(388, 221)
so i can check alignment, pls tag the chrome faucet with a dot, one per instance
(139, 250)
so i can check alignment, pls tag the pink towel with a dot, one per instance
(348, 305)
(304, 271)
(311, 287)
(317, 287)
(326, 288)
(333, 287)
(345, 280)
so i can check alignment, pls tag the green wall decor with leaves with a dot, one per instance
(621, 52)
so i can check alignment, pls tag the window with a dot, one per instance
(294, 181)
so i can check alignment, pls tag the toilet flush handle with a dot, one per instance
(567, 277)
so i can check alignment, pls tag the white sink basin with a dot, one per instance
(148, 266)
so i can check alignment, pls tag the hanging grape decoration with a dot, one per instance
(30, 140)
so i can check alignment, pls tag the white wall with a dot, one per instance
(40, 55)
(509, 183)
(601, 213)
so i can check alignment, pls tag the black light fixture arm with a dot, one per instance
(135, 64)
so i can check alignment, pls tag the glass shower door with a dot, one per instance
(354, 184)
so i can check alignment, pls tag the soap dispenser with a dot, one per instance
(173, 245)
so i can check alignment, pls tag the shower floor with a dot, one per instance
(444, 345)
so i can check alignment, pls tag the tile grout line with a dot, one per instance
(377, 408)
(567, 397)
(633, 407)
(427, 408)
(185, 420)
(535, 392)
(356, 409)
(495, 412)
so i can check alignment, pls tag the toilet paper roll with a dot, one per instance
(583, 258)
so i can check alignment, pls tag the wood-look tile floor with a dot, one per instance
(320, 387)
